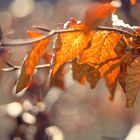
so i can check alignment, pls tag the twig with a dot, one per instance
(42, 28)
(15, 67)
(121, 31)
(20, 42)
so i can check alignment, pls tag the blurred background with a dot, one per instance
(64, 110)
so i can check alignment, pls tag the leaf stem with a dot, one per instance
(15, 67)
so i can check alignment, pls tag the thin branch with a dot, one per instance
(42, 28)
(121, 31)
(20, 42)
(15, 67)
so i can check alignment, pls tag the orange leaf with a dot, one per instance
(37, 52)
(102, 48)
(31, 61)
(111, 81)
(72, 45)
(133, 2)
(108, 66)
(96, 13)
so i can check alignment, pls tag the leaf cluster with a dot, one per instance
(94, 54)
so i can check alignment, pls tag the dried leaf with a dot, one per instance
(97, 13)
(31, 61)
(102, 50)
(58, 79)
(126, 61)
(132, 82)
(72, 45)
(85, 72)
(111, 81)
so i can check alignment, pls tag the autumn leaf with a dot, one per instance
(96, 13)
(101, 51)
(132, 82)
(109, 65)
(31, 61)
(58, 79)
(72, 45)
(133, 2)
(111, 81)
(84, 72)
(126, 61)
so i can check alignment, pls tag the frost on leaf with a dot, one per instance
(31, 61)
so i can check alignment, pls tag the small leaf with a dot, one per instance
(31, 61)
(72, 45)
(85, 72)
(111, 81)
(132, 82)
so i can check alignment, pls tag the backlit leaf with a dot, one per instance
(109, 65)
(31, 61)
(102, 49)
(111, 81)
(72, 45)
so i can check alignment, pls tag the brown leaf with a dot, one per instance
(72, 45)
(31, 61)
(85, 72)
(132, 82)
(58, 79)
(126, 61)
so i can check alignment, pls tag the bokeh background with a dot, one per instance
(79, 112)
